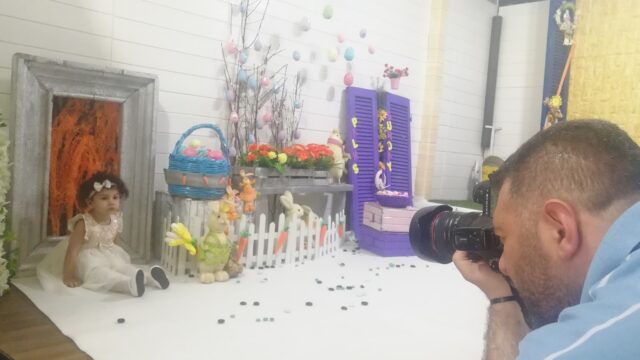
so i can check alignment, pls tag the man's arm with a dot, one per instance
(506, 327)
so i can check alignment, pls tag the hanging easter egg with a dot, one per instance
(363, 33)
(253, 83)
(332, 54)
(230, 47)
(243, 6)
(257, 45)
(233, 117)
(340, 38)
(264, 82)
(348, 79)
(297, 104)
(267, 117)
(232, 151)
(349, 54)
(372, 50)
(297, 134)
(230, 95)
(327, 12)
(195, 143)
(242, 76)
(305, 24)
(259, 124)
(282, 135)
(276, 89)
(296, 55)
(251, 139)
(242, 58)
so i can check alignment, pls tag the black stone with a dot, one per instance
(412, 266)
(331, 289)
(121, 321)
(256, 303)
(341, 264)
(343, 308)
(243, 303)
(364, 303)
(309, 303)
(349, 287)
(220, 321)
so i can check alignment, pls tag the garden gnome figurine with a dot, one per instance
(337, 147)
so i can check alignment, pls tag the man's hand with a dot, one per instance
(492, 283)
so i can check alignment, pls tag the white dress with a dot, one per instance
(101, 264)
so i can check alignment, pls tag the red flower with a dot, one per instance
(253, 147)
(251, 157)
(264, 152)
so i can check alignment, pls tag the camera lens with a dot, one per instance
(432, 231)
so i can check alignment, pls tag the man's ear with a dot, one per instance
(559, 225)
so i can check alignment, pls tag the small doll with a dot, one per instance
(248, 194)
(90, 256)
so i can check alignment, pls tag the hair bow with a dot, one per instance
(104, 185)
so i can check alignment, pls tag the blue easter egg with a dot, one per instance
(349, 53)
(259, 124)
(363, 33)
(251, 139)
(296, 104)
(296, 55)
(243, 57)
(253, 83)
(242, 76)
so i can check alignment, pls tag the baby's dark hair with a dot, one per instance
(87, 190)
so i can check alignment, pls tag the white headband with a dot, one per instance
(97, 187)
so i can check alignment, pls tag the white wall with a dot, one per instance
(518, 87)
(521, 75)
(466, 56)
(179, 40)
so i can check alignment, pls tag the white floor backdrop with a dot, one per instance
(412, 310)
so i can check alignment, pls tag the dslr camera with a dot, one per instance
(436, 232)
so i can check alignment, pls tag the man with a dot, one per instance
(568, 215)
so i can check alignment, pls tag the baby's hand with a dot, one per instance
(72, 282)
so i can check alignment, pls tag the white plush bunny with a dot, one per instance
(292, 210)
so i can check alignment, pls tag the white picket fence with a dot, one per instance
(305, 241)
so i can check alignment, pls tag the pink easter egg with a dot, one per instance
(348, 79)
(231, 48)
(233, 117)
(267, 117)
(215, 154)
(282, 135)
(264, 82)
(372, 50)
(190, 152)
(340, 38)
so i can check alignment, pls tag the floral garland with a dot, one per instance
(7, 258)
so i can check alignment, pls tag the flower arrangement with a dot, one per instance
(311, 156)
(392, 72)
(264, 155)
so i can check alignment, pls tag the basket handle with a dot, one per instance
(223, 141)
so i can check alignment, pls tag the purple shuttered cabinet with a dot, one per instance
(399, 112)
(361, 139)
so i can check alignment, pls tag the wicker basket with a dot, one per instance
(198, 177)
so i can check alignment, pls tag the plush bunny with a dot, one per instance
(248, 194)
(309, 216)
(292, 210)
(214, 248)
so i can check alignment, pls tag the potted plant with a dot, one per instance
(394, 74)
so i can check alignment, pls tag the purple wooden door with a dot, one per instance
(399, 149)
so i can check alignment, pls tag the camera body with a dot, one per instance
(436, 232)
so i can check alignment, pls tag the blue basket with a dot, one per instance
(212, 172)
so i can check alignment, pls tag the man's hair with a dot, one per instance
(591, 163)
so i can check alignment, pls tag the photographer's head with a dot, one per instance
(558, 195)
